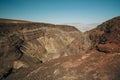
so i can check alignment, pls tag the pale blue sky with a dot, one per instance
(60, 11)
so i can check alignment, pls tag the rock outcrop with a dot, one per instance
(38, 51)
(106, 36)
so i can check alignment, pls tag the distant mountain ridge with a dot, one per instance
(83, 27)
(2, 20)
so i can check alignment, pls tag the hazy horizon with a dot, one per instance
(60, 11)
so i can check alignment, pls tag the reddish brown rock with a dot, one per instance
(106, 37)
(90, 66)
(109, 48)
(109, 41)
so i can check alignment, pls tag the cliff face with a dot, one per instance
(65, 52)
(48, 45)
(36, 42)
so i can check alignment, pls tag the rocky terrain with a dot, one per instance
(41, 51)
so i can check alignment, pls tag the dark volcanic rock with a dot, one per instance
(110, 39)
(105, 37)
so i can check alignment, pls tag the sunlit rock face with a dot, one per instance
(47, 46)
(38, 51)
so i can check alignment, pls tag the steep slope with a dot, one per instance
(37, 42)
(106, 37)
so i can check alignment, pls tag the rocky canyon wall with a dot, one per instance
(39, 51)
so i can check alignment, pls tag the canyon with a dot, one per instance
(42, 51)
